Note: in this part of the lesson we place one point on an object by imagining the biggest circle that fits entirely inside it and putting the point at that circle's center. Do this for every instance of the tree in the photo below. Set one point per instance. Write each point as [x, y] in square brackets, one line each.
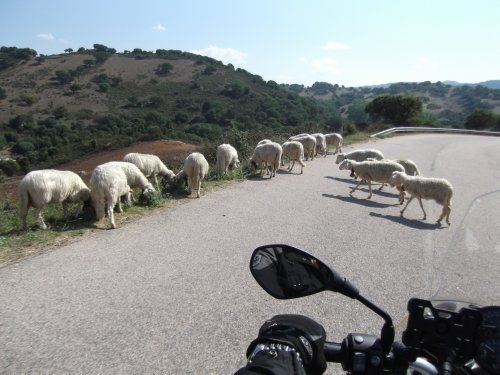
[397, 109]
[481, 119]
[357, 112]
[68, 50]
[164, 68]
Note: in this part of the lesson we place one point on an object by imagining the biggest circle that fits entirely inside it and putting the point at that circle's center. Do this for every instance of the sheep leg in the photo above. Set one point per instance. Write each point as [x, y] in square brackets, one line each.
[422, 207]
[445, 213]
[290, 168]
[370, 187]
[39, 218]
[353, 190]
[156, 182]
[407, 203]
[199, 187]
[110, 209]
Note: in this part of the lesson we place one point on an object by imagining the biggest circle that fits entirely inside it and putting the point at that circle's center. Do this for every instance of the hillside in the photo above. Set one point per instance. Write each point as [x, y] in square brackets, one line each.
[54, 109]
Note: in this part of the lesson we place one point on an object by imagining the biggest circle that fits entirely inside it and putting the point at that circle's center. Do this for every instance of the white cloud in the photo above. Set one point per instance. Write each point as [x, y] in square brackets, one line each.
[159, 28]
[226, 55]
[334, 46]
[325, 66]
[45, 36]
[424, 63]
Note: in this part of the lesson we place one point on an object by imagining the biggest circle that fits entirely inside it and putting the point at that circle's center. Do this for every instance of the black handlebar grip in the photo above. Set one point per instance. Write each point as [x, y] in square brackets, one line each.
[333, 352]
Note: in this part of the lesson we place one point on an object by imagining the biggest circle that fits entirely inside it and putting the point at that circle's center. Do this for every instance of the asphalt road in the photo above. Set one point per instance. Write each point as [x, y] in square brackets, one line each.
[171, 292]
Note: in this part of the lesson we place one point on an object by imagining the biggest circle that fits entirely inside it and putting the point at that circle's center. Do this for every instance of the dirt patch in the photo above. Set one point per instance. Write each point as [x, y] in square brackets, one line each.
[172, 153]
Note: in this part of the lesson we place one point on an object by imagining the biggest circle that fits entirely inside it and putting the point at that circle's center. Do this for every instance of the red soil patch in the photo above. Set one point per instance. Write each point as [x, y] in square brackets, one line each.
[172, 153]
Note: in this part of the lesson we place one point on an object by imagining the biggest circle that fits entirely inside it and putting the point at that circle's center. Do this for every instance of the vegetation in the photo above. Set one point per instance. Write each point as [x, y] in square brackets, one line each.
[92, 107]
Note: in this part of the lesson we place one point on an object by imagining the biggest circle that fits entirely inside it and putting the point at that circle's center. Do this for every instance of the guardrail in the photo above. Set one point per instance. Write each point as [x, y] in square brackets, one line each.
[433, 130]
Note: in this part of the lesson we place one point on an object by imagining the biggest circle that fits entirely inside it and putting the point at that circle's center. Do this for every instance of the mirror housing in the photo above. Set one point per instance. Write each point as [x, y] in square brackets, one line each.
[286, 272]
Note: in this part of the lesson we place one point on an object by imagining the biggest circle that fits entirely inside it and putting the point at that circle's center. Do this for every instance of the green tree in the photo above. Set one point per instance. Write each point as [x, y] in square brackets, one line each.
[481, 119]
[164, 68]
[357, 112]
[397, 109]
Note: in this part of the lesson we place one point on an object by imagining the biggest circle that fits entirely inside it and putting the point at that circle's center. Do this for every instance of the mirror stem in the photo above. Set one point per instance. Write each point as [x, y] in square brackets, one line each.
[387, 334]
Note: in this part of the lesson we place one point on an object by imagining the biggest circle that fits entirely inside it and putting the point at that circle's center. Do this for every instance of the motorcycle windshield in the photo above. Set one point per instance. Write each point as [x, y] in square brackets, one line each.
[470, 269]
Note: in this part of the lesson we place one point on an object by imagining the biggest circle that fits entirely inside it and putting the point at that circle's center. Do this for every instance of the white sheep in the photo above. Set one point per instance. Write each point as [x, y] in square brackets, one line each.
[151, 166]
[309, 143]
[438, 189]
[135, 178]
[264, 141]
[39, 188]
[294, 151]
[108, 183]
[267, 153]
[411, 169]
[227, 158]
[335, 140]
[194, 171]
[320, 143]
[378, 171]
[359, 155]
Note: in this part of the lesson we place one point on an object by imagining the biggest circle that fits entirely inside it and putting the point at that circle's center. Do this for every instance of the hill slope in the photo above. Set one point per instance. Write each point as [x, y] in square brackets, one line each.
[57, 108]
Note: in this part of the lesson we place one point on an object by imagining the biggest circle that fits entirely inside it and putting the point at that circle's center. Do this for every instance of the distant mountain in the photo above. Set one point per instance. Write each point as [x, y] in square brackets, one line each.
[491, 84]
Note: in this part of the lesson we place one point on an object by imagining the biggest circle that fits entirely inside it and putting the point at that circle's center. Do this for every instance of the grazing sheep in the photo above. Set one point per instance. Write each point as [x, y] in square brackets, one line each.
[378, 171]
[335, 140]
[267, 153]
[309, 143]
[108, 183]
[39, 188]
[264, 141]
[438, 189]
[135, 178]
[294, 151]
[320, 143]
[194, 171]
[151, 166]
[359, 155]
[227, 158]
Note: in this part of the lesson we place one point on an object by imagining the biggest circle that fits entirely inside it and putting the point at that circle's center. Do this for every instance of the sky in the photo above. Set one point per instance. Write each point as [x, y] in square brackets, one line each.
[350, 42]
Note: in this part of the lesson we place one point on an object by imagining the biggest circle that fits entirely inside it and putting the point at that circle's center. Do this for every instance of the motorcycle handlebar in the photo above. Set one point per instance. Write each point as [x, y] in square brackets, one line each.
[333, 352]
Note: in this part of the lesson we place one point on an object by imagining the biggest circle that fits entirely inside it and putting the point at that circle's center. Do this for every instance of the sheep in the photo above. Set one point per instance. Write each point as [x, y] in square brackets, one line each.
[108, 183]
[359, 155]
[334, 139]
[438, 189]
[320, 143]
[151, 166]
[135, 178]
[267, 153]
[379, 171]
[227, 158]
[39, 188]
[294, 151]
[194, 171]
[411, 169]
[309, 143]
[264, 141]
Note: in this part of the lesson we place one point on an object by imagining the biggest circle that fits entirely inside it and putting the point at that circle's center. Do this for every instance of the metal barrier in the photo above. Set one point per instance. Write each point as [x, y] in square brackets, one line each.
[433, 130]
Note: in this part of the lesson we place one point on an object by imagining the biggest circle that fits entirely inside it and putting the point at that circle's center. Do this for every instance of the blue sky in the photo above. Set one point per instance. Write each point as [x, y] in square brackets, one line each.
[352, 43]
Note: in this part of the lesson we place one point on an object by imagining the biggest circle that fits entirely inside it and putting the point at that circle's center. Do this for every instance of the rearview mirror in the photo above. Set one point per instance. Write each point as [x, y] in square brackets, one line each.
[286, 272]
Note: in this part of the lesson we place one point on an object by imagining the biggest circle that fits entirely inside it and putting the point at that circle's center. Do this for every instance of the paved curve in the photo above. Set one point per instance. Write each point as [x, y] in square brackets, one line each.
[171, 293]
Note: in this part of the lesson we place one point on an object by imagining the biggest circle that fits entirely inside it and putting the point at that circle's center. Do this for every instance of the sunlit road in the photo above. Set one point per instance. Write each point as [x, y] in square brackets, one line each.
[171, 292]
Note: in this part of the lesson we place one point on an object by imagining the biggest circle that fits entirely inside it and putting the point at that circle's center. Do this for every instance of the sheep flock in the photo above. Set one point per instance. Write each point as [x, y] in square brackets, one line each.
[112, 182]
